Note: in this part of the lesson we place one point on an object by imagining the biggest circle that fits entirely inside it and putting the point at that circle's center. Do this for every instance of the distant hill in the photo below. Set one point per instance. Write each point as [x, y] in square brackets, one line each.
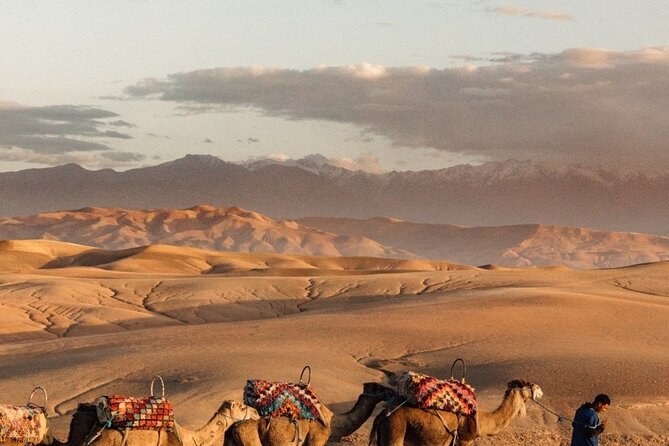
[238, 230]
[518, 246]
[27, 256]
[223, 229]
[492, 194]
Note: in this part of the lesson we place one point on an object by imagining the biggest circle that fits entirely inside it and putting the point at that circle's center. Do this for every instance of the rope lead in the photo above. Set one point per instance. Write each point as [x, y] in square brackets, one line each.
[562, 417]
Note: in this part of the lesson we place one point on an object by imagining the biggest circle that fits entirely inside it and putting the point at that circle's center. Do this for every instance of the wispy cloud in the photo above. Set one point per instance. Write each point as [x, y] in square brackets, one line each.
[53, 134]
[524, 12]
[93, 160]
[367, 163]
[579, 105]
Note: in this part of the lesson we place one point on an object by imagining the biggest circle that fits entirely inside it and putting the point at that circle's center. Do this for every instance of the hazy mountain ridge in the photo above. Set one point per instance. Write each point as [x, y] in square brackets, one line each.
[518, 245]
[224, 229]
[492, 194]
[238, 230]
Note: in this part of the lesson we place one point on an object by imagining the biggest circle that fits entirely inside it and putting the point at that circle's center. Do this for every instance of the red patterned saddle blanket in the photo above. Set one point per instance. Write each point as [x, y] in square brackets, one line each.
[129, 412]
[428, 392]
[23, 424]
[276, 399]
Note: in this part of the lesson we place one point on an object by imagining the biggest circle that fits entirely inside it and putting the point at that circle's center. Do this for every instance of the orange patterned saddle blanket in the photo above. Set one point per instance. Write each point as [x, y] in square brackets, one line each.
[296, 401]
[428, 392]
[128, 412]
[23, 424]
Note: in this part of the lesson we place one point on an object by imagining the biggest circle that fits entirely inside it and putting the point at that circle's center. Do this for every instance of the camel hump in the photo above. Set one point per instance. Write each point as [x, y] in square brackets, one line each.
[428, 392]
[296, 401]
[131, 412]
[26, 424]
[23, 424]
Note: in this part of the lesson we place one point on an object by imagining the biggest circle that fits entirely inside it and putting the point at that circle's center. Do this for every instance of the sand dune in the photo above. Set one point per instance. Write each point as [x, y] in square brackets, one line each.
[45, 255]
[107, 321]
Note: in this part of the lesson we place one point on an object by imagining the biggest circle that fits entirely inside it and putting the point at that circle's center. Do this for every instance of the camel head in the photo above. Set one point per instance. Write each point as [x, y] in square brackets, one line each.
[523, 391]
[526, 389]
[232, 411]
[378, 391]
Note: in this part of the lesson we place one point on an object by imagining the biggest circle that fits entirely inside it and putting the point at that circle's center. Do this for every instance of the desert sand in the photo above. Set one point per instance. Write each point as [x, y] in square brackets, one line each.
[84, 322]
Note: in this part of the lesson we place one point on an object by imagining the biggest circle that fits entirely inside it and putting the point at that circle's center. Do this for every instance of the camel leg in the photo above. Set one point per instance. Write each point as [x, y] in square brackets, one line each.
[392, 432]
[317, 436]
[246, 434]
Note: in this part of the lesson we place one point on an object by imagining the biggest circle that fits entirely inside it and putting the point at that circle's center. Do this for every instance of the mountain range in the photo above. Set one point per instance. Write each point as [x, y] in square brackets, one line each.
[491, 194]
[235, 229]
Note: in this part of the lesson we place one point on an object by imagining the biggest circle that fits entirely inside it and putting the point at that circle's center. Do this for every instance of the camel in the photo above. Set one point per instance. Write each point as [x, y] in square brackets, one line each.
[410, 426]
[85, 420]
[281, 431]
[39, 432]
[45, 433]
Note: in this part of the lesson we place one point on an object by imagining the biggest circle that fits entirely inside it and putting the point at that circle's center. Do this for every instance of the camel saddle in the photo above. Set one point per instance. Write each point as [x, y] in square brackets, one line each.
[24, 424]
[428, 392]
[276, 399]
[129, 412]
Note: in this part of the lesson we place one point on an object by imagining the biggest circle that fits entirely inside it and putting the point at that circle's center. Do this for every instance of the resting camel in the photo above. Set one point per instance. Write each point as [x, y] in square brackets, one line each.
[410, 426]
[38, 433]
[45, 433]
[85, 420]
[281, 431]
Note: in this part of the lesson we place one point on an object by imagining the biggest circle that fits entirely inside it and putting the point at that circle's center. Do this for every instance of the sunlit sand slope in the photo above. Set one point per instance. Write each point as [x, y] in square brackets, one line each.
[111, 320]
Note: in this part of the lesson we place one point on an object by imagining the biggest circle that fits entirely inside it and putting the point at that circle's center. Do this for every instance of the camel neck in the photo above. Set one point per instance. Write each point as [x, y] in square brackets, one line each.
[83, 420]
[210, 434]
[491, 423]
[346, 423]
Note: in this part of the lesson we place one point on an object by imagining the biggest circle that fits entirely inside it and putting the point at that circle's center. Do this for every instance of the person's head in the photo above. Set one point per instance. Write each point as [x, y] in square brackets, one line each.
[601, 402]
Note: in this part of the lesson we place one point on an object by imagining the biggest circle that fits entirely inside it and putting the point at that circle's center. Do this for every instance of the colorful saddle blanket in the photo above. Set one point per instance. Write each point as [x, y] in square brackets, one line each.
[275, 399]
[22, 424]
[428, 392]
[127, 412]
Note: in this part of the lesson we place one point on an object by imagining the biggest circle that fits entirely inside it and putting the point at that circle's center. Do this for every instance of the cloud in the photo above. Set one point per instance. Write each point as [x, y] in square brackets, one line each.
[367, 163]
[122, 157]
[93, 160]
[580, 105]
[121, 123]
[524, 12]
[61, 134]
[57, 128]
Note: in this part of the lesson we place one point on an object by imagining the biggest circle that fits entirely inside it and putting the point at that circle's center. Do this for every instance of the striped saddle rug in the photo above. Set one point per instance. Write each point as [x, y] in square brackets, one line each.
[23, 424]
[428, 392]
[275, 399]
[129, 412]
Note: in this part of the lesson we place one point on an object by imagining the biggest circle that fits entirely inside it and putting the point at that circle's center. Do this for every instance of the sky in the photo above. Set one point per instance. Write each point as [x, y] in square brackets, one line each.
[372, 85]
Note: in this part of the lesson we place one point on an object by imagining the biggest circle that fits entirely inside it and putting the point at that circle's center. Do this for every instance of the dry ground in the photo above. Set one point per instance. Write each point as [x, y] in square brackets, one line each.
[85, 323]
